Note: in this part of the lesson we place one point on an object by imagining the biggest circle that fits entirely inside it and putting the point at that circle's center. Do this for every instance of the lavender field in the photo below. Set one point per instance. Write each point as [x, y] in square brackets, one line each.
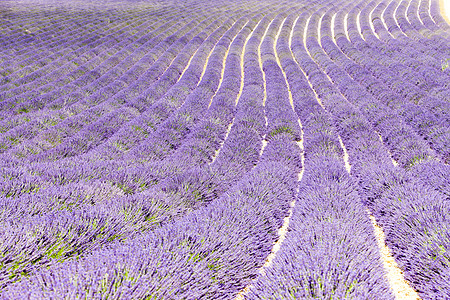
[224, 149]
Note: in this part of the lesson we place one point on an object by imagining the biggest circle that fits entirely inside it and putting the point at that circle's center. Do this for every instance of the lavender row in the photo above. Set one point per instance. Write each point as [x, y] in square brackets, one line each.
[435, 12]
[37, 39]
[395, 198]
[194, 70]
[65, 43]
[62, 251]
[404, 45]
[344, 80]
[44, 37]
[393, 46]
[395, 203]
[423, 170]
[127, 216]
[108, 52]
[145, 64]
[158, 110]
[153, 107]
[170, 134]
[89, 117]
[353, 267]
[404, 144]
[119, 201]
[179, 172]
[416, 67]
[61, 126]
[432, 127]
[418, 73]
[278, 107]
[184, 176]
[44, 168]
[222, 282]
[77, 74]
[223, 249]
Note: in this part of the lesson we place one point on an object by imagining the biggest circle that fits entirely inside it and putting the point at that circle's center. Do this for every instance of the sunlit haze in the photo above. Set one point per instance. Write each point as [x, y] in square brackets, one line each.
[446, 10]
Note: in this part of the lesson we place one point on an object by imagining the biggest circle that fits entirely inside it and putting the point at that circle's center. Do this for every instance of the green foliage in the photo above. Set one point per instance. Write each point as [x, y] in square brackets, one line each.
[445, 63]
[282, 129]
[23, 110]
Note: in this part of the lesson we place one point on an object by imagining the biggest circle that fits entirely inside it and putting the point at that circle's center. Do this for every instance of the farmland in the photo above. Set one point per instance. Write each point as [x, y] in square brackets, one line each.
[224, 149]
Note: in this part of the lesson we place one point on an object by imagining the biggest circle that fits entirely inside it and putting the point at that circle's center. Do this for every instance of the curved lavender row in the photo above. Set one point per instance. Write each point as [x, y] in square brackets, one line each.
[416, 11]
[139, 78]
[70, 170]
[203, 240]
[222, 284]
[403, 22]
[318, 219]
[380, 26]
[125, 64]
[146, 58]
[74, 243]
[184, 157]
[57, 48]
[428, 125]
[80, 240]
[401, 44]
[391, 23]
[62, 126]
[235, 158]
[104, 49]
[381, 187]
[91, 117]
[87, 206]
[406, 16]
[418, 79]
[413, 15]
[67, 176]
[359, 95]
[423, 122]
[190, 183]
[65, 248]
[170, 133]
[111, 62]
[404, 43]
[152, 99]
[424, 170]
[279, 111]
[40, 37]
[425, 16]
[42, 34]
[406, 58]
[405, 208]
[438, 44]
[434, 128]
